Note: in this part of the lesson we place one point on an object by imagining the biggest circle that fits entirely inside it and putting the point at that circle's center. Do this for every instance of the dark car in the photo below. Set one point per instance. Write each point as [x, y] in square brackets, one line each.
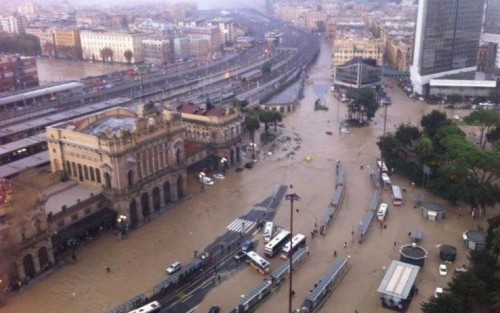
[214, 309]
[249, 165]
[247, 246]
[238, 169]
[240, 255]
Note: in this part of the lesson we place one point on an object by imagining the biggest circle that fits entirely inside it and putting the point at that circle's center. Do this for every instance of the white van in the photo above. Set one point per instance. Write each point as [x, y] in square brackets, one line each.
[382, 165]
[382, 212]
[207, 180]
[386, 180]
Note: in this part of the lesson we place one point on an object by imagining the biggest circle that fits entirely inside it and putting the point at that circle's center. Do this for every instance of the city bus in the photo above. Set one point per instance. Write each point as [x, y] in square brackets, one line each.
[382, 212]
[275, 245]
[298, 241]
[397, 195]
[258, 262]
[268, 231]
[148, 308]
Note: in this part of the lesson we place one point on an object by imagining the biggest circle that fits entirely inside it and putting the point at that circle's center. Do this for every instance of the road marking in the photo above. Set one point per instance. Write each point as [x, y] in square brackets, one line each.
[241, 225]
[186, 298]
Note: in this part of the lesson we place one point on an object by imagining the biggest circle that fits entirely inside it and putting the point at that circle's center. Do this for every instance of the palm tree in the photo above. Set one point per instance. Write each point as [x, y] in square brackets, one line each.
[277, 117]
[266, 117]
[128, 55]
[252, 123]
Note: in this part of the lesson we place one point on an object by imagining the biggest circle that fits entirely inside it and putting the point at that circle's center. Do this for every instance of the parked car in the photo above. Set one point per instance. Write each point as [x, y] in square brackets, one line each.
[174, 267]
[207, 180]
[443, 270]
[249, 165]
[238, 169]
[219, 176]
[438, 292]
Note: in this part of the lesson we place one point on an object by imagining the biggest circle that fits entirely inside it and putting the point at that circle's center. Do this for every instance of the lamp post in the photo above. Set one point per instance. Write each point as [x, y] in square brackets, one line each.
[201, 176]
[122, 219]
[253, 145]
[223, 161]
[292, 197]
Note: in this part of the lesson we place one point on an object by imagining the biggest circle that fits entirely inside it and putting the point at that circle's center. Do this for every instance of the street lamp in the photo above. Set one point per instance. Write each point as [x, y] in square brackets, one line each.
[122, 219]
[223, 161]
[253, 145]
[201, 176]
[292, 197]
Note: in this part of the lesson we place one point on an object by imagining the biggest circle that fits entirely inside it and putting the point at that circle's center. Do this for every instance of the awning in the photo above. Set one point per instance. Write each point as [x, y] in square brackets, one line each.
[98, 218]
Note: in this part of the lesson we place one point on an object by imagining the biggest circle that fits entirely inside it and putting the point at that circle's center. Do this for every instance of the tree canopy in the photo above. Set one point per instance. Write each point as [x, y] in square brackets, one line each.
[486, 120]
[24, 44]
[363, 105]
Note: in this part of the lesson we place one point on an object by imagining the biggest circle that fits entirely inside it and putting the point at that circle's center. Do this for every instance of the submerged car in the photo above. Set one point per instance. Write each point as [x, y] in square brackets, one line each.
[443, 270]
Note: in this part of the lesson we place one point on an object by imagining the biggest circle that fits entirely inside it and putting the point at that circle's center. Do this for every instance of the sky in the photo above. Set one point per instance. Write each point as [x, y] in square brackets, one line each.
[202, 4]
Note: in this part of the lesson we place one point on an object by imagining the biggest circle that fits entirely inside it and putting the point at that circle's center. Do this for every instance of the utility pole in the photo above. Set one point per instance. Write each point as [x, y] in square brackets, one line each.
[381, 153]
[292, 197]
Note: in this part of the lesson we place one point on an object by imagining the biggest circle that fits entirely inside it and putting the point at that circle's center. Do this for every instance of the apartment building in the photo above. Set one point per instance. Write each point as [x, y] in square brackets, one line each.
[94, 42]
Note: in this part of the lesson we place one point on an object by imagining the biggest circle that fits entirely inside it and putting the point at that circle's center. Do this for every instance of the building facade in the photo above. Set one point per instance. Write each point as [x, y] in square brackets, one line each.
[47, 40]
[357, 74]
[17, 72]
[366, 48]
[491, 29]
[446, 40]
[137, 158]
[67, 42]
[157, 51]
[226, 29]
[13, 23]
[93, 42]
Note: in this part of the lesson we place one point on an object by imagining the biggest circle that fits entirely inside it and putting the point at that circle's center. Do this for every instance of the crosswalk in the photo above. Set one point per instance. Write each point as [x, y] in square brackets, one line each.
[241, 225]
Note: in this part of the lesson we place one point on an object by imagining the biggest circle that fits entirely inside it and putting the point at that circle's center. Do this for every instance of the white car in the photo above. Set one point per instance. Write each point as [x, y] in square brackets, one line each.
[207, 180]
[174, 267]
[438, 292]
[443, 270]
[219, 176]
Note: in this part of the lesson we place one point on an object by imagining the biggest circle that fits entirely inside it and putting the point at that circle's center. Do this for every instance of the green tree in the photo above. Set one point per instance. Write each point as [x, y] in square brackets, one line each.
[494, 96]
[24, 44]
[128, 55]
[433, 121]
[252, 123]
[364, 104]
[266, 117]
[277, 117]
[106, 54]
[496, 242]
[444, 303]
[423, 148]
[407, 134]
[266, 67]
[485, 120]
[454, 98]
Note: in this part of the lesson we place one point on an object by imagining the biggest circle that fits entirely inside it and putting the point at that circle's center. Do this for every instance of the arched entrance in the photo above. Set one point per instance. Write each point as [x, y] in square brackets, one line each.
[13, 273]
[43, 258]
[156, 199]
[178, 156]
[180, 189]
[107, 180]
[29, 266]
[238, 155]
[145, 204]
[166, 192]
[133, 213]
[232, 157]
[130, 178]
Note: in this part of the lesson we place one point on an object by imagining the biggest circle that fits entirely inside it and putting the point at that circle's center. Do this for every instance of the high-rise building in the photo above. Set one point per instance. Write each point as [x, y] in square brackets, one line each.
[17, 72]
[491, 30]
[446, 40]
[13, 23]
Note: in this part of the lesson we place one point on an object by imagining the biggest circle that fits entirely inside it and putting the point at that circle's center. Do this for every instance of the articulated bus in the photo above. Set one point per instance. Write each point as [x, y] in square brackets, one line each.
[298, 241]
[397, 195]
[268, 231]
[275, 245]
[258, 262]
[148, 308]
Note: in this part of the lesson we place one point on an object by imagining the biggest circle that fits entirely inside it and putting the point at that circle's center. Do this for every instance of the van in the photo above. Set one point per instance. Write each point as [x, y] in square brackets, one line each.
[382, 212]
[207, 180]
[268, 231]
[247, 246]
[381, 165]
[386, 180]
[174, 267]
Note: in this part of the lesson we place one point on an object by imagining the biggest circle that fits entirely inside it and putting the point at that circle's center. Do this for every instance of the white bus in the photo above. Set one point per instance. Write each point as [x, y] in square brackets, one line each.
[148, 308]
[268, 231]
[275, 245]
[397, 195]
[382, 212]
[298, 240]
[258, 262]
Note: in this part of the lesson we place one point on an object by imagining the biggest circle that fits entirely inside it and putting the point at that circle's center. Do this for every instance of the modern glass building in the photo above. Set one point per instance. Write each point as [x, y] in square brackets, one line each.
[357, 73]
[446, 40]
[491, 29]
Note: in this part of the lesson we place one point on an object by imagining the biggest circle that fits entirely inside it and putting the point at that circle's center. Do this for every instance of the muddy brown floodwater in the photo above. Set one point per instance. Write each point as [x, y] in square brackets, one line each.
[139, 262]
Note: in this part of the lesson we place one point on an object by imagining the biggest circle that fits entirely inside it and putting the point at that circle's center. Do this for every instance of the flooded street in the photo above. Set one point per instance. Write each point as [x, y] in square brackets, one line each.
[138, 262]
[58, 70]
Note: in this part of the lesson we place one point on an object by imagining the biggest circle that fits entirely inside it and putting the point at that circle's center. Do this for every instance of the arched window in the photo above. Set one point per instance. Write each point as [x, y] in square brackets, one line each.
[178, 156]
[80, 172]
[130, 178]
[68, 168]
[92, 176]
[98, 175]
[86, 172]
[107, 180]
